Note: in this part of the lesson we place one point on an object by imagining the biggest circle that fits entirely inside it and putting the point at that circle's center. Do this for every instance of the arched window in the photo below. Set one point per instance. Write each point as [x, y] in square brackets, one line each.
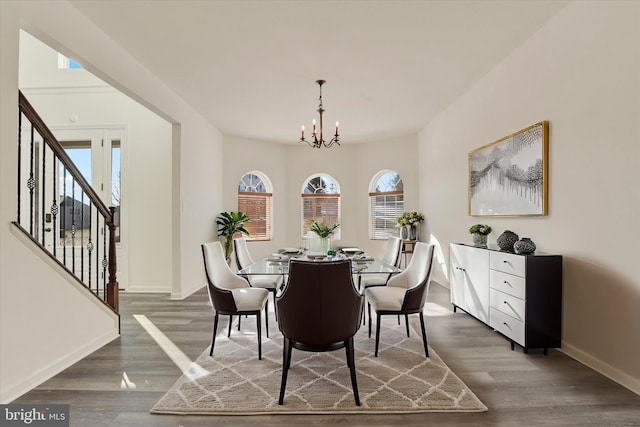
[320, 202]
[386, 204]
[255, 199]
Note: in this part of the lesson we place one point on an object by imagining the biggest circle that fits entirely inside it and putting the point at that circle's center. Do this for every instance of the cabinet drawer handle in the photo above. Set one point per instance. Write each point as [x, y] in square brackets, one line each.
[507, 283]
[505, 261]
[505, 323]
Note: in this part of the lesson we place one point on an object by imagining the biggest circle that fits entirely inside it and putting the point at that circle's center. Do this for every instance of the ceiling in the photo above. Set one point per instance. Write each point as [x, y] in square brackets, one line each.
[250, 66]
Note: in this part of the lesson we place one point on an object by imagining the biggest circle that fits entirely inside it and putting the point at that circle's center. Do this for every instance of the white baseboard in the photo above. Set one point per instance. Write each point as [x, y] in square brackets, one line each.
[186, 292]
[44, 373]
[598, 365]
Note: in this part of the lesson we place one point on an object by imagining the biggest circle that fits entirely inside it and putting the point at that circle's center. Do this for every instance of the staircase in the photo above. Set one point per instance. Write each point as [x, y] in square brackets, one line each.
[61, 213]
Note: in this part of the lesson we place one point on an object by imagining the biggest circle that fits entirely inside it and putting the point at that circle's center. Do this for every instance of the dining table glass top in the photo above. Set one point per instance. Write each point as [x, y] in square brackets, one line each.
[359, 265]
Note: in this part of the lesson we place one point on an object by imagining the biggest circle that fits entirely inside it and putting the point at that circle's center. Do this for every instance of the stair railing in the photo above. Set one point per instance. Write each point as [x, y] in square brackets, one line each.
[61, 212]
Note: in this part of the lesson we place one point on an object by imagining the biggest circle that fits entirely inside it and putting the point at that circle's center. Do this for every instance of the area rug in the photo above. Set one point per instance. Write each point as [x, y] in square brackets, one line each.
[400, 380]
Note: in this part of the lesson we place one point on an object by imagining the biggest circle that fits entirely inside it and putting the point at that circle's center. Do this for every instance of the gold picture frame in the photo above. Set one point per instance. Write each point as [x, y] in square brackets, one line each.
[510, 176]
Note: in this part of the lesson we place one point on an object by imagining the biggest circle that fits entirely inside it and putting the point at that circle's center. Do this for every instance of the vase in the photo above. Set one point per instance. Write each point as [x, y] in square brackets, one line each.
[524, 246]
[479, 239]
[324, 245]
[404, 232]
[413, 232]
[506, 240]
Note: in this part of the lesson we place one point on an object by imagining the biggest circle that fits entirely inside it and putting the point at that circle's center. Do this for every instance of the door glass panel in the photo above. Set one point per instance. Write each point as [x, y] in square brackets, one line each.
[71, 196]
[116, 184]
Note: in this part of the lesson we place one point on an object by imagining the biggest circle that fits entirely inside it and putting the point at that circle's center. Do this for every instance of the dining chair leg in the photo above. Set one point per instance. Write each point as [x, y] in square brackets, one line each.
[259, 322]
[406, 322]
[266, 317]
[286, 361]
[215, 329]
[369, 312]
[239, 319]
[352, 369]
[275, 306]
[230, 322]
[377, 332]
[424, 335]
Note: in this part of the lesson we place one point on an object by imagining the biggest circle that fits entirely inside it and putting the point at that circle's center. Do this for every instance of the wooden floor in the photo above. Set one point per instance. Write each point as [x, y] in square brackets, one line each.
[118, 384]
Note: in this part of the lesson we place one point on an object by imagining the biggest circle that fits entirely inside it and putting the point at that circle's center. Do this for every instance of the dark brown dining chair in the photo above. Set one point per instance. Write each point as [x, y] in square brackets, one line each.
[319, 310]
[404, 293]
[230, 294]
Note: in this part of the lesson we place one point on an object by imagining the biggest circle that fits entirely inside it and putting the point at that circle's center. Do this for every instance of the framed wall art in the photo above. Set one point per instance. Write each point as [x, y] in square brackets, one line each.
[509, 177]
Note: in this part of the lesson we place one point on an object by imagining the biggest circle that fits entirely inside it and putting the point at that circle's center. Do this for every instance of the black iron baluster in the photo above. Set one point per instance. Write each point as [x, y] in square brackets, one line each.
[31, 182]
[105, 263]
[98, 231]
[89, 245]
[82, 236]
[65, 211]
[54, 205]
[43, 150]
[19, 160]
[73, 224]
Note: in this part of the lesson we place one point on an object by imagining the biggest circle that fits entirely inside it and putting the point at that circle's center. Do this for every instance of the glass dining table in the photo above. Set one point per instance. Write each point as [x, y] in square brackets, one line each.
[280, 266]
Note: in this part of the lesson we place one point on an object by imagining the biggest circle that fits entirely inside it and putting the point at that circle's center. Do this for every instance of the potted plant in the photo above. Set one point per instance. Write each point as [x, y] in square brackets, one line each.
[479, 233]
[409, 222]
[230, 223]
[324, 232]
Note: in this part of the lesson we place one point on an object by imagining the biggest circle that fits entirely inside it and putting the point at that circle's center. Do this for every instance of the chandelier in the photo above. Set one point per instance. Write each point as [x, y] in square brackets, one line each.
[319, 142]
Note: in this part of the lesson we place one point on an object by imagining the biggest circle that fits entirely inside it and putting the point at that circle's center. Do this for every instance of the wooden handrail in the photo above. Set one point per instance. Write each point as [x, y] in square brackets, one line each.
[35, 119]
[111, 288]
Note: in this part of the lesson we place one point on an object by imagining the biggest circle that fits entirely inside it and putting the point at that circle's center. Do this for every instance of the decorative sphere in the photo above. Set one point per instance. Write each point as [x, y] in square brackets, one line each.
[524, 246]
[506, 240]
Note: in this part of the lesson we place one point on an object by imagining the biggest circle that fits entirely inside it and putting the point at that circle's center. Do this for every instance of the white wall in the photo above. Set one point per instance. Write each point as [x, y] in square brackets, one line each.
[288, 166]
[146, 157]
[195, 192]
[581, 72]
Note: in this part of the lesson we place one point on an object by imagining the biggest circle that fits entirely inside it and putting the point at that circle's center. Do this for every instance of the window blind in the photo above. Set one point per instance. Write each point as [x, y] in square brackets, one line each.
[385, 208]
[324, 208]
[258, 207]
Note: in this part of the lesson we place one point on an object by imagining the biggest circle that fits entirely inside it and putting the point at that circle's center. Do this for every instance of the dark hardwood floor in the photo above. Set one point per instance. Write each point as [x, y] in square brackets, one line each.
[118, 384]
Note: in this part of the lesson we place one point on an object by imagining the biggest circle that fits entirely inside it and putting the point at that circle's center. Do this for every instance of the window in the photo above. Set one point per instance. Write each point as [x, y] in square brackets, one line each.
[65, 63]
[320, 202]
[255, 200]
[386, 204]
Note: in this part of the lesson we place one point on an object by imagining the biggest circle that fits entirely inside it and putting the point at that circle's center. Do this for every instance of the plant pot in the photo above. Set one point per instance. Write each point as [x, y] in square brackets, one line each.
[479, 239]
[404, 232]
[324, 245]
[413, 232]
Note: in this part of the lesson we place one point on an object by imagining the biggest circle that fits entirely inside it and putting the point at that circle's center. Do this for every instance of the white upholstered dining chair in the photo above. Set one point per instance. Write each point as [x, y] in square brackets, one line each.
[404, 293]
[243, 259]
[391, 256]
[230, 294]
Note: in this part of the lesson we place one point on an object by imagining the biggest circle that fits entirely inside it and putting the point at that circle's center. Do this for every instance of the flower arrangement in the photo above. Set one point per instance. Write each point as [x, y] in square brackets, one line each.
[481, 229]
[410, 218]
[323, 230]
[230, 223]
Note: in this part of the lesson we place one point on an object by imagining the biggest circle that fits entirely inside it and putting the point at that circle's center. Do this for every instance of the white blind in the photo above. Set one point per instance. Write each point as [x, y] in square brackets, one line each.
[258, 207]
[324, 208]
[385, 208]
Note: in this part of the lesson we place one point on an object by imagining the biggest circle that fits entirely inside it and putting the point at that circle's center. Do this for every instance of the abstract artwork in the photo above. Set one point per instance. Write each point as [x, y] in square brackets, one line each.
[509, 177]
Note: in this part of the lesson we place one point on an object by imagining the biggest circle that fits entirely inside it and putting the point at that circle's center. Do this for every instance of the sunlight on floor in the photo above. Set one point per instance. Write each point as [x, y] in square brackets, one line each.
[175, 354]
[436, 310]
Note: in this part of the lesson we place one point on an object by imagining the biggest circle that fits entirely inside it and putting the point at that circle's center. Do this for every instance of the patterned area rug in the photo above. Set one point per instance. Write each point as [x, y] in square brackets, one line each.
[401, 379]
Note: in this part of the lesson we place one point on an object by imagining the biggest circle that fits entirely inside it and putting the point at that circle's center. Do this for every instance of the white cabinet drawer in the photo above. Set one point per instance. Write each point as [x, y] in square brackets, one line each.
[508, 263]
[508, 283]
[507, 325]
[508, 304]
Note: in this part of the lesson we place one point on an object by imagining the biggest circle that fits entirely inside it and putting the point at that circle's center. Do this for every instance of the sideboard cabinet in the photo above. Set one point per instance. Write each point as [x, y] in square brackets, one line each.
[520, 296]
